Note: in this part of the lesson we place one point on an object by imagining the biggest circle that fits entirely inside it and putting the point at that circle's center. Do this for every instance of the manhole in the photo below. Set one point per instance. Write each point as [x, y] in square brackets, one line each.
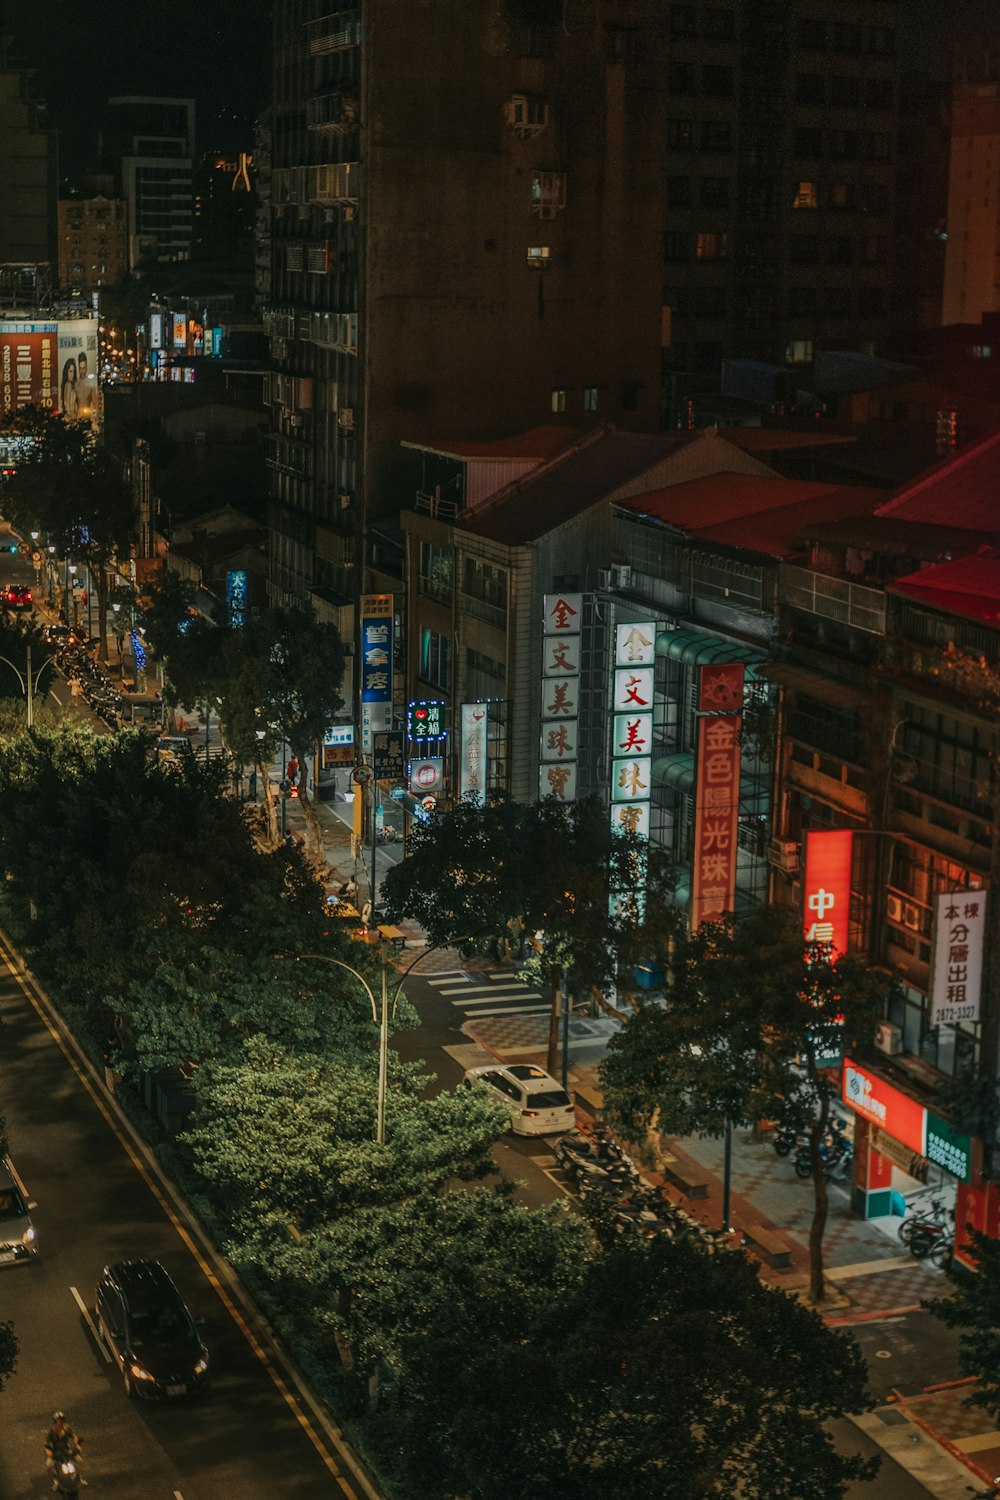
[883, 1353]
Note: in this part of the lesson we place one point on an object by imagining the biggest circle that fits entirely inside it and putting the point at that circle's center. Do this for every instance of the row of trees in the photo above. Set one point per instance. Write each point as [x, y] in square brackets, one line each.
[478, 1348]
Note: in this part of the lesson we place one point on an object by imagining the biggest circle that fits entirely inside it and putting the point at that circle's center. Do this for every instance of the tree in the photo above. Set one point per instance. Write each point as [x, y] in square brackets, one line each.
[8, 1352]
[74, 490]
[751, 1010]
[973, 1307]
[18, 634]
[550, 869]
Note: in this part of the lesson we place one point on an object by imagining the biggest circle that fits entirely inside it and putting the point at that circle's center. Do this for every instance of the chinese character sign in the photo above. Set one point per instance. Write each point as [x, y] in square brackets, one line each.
[425, 720]
[717, 792]
[635, 644]
[562, 624]
[631, 747]
[474, 767]
[563, 614]
[236, 597]
[376, 648]
[827, 888]
[957, 963]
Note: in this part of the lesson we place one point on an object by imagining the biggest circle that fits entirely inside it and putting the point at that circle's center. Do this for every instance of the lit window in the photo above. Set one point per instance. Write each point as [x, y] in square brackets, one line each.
[799, 351]
[590, 398]
[806, 196]
[539, 255]
[558, 398]
[712, 247]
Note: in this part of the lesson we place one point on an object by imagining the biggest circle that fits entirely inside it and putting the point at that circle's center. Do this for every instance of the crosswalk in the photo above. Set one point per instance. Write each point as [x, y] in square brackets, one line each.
[498, 992]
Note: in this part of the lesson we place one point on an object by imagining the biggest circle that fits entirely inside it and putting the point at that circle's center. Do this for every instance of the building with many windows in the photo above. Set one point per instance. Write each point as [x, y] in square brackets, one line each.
[149, 145]
[93, 243]
[462, 232]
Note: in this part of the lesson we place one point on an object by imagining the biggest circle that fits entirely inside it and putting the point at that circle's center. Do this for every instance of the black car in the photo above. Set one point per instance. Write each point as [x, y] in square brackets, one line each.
[149, 1331]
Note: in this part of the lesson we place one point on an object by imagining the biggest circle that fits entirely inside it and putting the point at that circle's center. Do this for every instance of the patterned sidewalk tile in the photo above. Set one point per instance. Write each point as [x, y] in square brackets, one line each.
[905, 1287]
[945, 1412]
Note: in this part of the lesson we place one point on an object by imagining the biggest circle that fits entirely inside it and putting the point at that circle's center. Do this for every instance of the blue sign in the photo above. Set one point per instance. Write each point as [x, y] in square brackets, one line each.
[236, 597]
[376, 648]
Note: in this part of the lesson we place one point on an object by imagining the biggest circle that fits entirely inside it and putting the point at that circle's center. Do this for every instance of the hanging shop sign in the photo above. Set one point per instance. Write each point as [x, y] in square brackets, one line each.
[388, 758]
[474, 763]
[376, 665]
[957, 956]
[916, 1132]
[717, 791]
[562, 620]
[425, 719]
[426, 776]
[827, 888]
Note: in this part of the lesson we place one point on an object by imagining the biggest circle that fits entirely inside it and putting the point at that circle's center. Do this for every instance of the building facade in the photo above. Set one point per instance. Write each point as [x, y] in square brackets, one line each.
[972, 257]
[150, 145]
[28, 176]
[93, 243]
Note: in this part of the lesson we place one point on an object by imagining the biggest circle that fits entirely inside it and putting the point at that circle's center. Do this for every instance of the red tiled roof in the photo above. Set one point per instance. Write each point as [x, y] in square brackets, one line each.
[968, 586]
[537, 444]
[778, 440]
[779, 533]
[962, 491]
[718, 498]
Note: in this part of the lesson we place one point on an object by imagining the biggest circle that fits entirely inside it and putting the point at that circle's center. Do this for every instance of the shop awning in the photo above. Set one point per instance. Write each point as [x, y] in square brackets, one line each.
[696, 650]
[675, 770]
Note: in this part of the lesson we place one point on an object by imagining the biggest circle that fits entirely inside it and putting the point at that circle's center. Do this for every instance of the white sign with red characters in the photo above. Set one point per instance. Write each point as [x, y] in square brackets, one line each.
[957, 962]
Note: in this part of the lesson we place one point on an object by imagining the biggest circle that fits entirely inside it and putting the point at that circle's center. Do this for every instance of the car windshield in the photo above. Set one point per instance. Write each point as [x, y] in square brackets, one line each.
[11, 1204]
[558, 1099]
[168, 1321]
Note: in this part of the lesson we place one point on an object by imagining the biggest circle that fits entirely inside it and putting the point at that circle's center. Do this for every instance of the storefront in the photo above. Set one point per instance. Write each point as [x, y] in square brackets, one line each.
[901, 1146]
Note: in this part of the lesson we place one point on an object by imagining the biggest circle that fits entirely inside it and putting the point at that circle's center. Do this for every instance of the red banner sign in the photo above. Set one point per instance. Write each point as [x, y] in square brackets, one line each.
[977, 1208]
[717, 792]
[882, 1105]
[827, 888]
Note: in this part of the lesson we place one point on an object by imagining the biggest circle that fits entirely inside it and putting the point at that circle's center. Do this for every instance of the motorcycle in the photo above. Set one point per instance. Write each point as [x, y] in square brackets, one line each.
[579, 1147]
[836, 1161]
[66, 1475]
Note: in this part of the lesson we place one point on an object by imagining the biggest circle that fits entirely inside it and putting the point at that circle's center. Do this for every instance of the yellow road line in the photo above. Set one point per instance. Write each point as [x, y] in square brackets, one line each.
[278, 1380]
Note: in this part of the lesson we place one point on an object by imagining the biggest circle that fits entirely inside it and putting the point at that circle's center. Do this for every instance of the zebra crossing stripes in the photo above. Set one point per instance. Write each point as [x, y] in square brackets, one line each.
[498, 993]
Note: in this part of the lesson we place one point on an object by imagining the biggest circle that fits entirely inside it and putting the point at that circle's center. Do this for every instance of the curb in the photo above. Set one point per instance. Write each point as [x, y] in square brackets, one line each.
[942, 1442]
[268, 1344]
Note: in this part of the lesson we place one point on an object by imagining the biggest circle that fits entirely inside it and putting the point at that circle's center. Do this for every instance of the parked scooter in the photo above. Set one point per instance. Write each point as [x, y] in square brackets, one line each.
[836, 1160]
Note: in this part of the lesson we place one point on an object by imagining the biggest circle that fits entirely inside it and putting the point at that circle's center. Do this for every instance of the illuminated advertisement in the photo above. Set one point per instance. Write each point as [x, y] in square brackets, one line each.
[376, 666]
[50, 365]
[717, 792]
[156, 330]
[827, 888]
[180, 328]
[895, 1114]
[236, 597]
[562, 618]
[957, 961]
[474, 763]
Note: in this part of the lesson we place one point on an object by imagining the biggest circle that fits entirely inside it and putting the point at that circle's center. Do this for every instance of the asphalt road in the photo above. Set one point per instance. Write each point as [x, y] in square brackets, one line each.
[250, 1437]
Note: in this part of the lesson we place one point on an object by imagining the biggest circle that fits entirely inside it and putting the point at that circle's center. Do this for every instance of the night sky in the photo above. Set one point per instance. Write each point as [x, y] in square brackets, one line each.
[213, 50]
[217, 51]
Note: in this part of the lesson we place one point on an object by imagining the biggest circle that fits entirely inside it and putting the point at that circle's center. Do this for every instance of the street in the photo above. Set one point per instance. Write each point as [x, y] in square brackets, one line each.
[252, 1435]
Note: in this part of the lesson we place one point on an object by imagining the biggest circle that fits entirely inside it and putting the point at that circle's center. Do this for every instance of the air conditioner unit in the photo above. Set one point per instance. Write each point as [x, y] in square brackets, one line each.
[784, 856]
[604, 578]
[888, 1038]
[894, 908]
[621, 576]
[911, 916]
[345, 416]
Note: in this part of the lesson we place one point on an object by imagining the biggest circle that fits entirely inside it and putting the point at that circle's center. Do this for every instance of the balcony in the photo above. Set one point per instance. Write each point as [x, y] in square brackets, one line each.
[335, 112]
[332, 331]
[334, 33]
[439, 507]
[834, 599]
[337, 182]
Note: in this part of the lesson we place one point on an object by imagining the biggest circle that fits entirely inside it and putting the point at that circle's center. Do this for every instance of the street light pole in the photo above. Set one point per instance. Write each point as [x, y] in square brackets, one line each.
[27, 681]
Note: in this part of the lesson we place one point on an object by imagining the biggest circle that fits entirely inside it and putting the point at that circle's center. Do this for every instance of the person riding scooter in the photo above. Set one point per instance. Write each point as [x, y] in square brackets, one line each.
[61, 1444]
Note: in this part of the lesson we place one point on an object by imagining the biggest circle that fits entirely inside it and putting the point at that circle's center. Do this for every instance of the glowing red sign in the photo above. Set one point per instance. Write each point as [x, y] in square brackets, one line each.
[877, 1101]
[827, 888]
[717, 792]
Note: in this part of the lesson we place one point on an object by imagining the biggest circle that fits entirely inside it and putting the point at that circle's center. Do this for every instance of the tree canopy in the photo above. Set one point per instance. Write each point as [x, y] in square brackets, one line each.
[8, 1352]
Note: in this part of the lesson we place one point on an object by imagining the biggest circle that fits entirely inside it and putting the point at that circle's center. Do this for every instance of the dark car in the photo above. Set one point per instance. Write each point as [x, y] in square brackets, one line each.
[149, 1331]
[16, 596]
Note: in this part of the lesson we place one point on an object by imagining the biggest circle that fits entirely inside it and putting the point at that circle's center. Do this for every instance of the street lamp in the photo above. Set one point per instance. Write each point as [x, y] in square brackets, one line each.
[28, 682]
[71, 570]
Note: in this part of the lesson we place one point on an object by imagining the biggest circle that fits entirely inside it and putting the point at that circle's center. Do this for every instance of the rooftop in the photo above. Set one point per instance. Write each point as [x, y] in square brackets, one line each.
[536, 445]
[962, 491]
[968, 586]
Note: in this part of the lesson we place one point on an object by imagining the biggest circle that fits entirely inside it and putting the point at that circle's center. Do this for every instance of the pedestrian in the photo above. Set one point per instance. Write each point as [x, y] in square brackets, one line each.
[292, 771]
[253, 784]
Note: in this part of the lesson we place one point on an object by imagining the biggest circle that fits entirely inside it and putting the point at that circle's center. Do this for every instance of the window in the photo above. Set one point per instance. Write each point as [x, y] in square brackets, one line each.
[803, 249]
[845, 92]
[630, 396]
[539, 256]
[676, 245]
[799, 351]
[717, 81]
[714, 192]
[873, 197]
[678, 299]
[680, 134]
[808, 142]
[720, 25]
[878, 145]
[841, 195]
[679, 192]
[810, 88]
[840, 251]
[435, 659]
[590, 398]
[842, 145]
[871, 301]
[558, 398]
[837, 302]
[716, 135]
[484, 677]
[683, 20]
[802, 301]
[435, 571]
[681, 78]
[710, 301]
[806, 197]
[812, 35]
[486, 583]
[712, 246]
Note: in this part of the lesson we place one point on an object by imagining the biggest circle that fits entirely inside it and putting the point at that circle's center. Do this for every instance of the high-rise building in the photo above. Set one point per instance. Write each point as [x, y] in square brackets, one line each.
[28, 174]
[972, 254]
[780, 179]
[93, 243]
[149, 144]
[465, 231]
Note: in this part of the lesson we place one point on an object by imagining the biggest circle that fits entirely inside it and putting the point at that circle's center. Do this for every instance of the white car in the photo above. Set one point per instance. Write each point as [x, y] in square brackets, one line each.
[538, 1104]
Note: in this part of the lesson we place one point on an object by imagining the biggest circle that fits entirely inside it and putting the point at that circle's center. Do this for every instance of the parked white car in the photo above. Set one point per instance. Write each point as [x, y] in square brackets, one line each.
[538, 1104]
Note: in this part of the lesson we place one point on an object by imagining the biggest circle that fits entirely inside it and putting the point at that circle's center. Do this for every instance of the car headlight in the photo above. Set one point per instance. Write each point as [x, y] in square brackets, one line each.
[202, 1365]
[138, 1373]
[29, 1236]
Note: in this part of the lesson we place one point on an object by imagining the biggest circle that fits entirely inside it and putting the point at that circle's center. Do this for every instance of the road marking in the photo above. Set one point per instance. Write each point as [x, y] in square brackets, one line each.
[509, 1010]
[178, 1495]
[90, 1323]
[444, 978]
[7, 955]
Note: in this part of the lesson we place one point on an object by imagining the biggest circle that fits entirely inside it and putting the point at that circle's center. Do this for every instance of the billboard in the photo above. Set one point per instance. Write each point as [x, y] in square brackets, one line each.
[957, 956]
[52, 365]
[826, 892]
[717, 792]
